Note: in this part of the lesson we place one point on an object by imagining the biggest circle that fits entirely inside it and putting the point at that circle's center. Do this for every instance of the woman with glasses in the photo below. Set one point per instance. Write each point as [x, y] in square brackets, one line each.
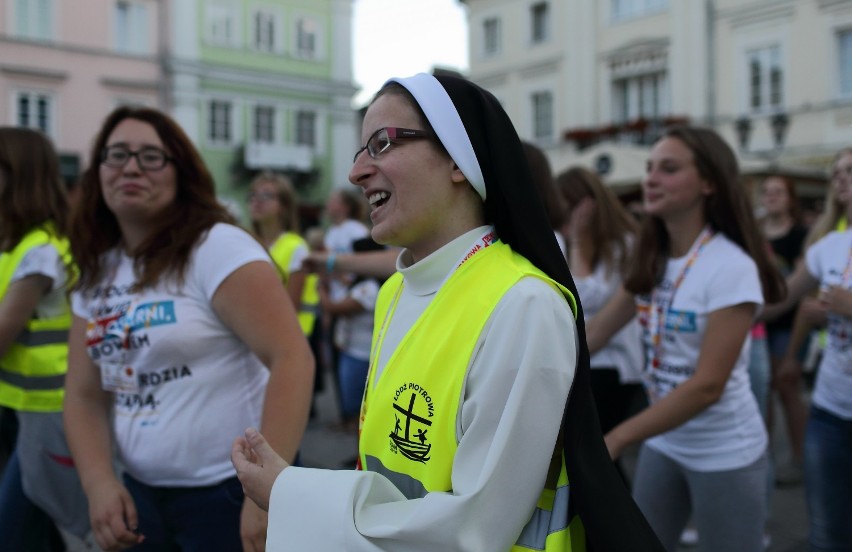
[827, 452]
[38, 487]
[273, 206]
[182, 333]
[478, 430]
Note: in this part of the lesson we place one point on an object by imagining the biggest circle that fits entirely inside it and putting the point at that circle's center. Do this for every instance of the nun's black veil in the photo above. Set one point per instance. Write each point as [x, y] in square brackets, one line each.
[598, 494]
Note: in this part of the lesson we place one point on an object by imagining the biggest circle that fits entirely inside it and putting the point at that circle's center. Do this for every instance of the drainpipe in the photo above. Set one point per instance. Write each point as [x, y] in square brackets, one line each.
[710, 24]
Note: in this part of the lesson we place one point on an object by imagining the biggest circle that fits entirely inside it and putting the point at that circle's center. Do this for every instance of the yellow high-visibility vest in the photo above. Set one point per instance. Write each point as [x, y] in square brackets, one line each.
[408, 428]
[281, 252]
[32, 372]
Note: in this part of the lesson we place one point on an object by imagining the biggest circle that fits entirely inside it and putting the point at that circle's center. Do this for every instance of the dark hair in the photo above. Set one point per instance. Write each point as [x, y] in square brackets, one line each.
[613, 229]
[287, 198]
[31, 190]
[167, 249]
[727, 210]
[542, 179]
[794, 209]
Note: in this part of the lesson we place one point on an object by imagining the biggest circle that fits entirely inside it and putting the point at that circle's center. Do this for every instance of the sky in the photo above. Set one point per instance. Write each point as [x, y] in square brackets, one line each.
[398, 38]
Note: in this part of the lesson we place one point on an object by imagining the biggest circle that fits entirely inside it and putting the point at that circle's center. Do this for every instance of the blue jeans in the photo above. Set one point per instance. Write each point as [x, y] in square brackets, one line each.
[828, 481]
[353, 379]
[189, 519]
[23, 525]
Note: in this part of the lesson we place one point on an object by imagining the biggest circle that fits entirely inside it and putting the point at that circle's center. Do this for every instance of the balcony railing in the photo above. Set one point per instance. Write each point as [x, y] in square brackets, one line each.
[640, 131]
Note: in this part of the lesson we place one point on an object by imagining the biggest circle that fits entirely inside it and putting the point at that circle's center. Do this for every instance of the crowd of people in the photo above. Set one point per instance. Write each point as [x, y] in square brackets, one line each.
[497, 337]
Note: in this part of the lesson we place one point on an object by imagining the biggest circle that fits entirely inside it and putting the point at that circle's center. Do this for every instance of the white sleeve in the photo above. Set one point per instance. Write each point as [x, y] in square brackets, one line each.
[514, 397]
[223, 250]
[596, 289]
[299, 255]
[43, 260]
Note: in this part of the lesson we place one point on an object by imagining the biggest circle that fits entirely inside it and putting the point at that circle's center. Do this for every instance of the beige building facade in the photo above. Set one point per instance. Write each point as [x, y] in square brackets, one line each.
[577, 77]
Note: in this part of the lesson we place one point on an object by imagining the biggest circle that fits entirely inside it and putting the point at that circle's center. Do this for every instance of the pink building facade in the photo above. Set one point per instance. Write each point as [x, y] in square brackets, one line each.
[65, 65]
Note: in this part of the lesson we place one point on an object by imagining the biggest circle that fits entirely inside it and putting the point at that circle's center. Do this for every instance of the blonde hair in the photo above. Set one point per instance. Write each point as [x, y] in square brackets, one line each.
[834, 210]
[286, 196]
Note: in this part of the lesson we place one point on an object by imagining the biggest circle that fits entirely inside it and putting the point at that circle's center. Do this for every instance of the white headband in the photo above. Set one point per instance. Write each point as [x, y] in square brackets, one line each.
[444, 118]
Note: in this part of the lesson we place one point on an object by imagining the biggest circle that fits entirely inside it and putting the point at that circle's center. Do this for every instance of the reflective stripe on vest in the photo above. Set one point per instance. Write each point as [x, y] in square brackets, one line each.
[32, 369]
[409, 415]
[282, 252]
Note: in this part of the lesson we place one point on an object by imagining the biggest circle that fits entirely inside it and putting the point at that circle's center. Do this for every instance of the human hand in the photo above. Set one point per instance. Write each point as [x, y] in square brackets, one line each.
[837, 300]
[257, 466]
[613, 445]
[315, 262]
[113, 516]
[253, 522]
[581, 217]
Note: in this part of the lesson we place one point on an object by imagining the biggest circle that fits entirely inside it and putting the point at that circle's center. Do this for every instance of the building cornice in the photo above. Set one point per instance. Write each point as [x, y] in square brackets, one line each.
[37, 72]
[262, 79]
[74, 49]
[130, 84]
[758, 13]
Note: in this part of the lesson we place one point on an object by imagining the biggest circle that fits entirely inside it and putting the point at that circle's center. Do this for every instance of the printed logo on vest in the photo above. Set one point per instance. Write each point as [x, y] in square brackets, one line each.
[412, 422]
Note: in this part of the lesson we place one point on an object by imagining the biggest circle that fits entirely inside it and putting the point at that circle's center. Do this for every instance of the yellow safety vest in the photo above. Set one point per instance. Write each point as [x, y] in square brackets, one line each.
[408, 431]
[281, 252]
[32, 372]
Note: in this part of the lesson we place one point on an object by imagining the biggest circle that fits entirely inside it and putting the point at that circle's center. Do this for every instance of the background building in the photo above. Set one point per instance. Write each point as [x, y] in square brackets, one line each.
[258, 85]
[598, 78]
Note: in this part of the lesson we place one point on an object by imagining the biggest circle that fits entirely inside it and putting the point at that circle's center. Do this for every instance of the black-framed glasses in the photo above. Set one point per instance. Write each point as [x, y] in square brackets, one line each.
[382, 139]
[148, 158]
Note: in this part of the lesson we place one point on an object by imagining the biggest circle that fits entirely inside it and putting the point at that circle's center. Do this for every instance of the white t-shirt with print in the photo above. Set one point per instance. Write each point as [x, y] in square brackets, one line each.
[729, 434]
[338, 239]
[624, 350]
[354, 333]
[827, 260]
[199, 386]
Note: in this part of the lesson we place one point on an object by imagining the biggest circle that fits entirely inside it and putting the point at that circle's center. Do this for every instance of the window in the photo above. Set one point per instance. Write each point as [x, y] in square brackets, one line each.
[306, 133]
[306, 38]
[264, 31]
[542, 111]
[219, 127]
[640, 97]
[34, 110]
[765, 79]
[540, 22]
[845, 58]
[222, 25]
[264, 124]
[626, 9]
[34, 19]
[491, 34]
[131, 27]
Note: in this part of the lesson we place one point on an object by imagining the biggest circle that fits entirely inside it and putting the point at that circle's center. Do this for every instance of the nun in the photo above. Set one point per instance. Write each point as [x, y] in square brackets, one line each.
[477, 428]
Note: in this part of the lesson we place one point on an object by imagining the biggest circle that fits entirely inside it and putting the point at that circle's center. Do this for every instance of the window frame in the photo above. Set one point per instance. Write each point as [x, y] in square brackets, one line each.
[49, 98]
[492, 39]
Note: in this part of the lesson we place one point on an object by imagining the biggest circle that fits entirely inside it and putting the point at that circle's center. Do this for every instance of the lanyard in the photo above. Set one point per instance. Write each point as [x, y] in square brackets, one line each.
[660, 305]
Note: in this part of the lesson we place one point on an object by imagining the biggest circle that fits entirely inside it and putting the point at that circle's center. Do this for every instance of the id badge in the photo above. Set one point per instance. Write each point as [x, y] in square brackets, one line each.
[117, 377]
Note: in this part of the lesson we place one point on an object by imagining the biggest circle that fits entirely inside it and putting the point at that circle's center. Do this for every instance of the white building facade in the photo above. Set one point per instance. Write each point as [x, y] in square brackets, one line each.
[774, 77]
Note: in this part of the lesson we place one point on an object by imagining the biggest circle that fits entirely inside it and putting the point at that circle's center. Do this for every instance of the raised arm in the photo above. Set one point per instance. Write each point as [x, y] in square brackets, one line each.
[726, 332]
[611, 318]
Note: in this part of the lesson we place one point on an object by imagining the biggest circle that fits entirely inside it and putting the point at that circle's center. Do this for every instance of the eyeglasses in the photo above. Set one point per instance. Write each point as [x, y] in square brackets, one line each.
[262, 196]
[382, 139]
[148, 158]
